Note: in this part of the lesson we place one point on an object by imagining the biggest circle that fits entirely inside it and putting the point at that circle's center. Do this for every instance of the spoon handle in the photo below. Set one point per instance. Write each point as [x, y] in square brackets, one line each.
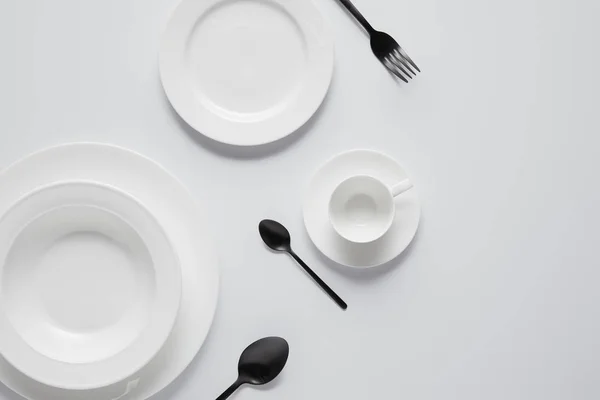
[230, 390]
[323, 285]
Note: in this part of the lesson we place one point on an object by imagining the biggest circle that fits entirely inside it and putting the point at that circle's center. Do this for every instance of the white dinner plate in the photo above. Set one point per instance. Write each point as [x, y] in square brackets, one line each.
[316, 210]
[179, 215]
[91, 285]
[246, 72]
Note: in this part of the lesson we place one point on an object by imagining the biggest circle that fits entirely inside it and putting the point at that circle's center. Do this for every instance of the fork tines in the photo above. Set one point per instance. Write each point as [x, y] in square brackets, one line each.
[400, 64]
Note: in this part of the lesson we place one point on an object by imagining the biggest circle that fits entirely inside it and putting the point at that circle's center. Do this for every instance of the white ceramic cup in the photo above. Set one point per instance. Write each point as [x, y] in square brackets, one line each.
[362, 209]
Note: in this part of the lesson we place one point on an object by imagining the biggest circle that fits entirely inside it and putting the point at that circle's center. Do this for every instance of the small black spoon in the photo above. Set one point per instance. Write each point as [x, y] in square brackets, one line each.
[277, 237]
[260, 363]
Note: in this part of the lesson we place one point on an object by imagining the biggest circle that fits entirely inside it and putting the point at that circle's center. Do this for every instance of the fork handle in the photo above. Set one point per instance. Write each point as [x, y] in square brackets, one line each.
[359, 17]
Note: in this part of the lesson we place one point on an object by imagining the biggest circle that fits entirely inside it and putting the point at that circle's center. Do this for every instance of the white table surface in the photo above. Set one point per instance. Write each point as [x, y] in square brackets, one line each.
[497, 297]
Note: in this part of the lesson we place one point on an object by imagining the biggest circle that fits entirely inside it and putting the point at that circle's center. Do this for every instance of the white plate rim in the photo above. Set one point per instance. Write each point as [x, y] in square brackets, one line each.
[190, 330]
[21, 354]
[316, 218]
[174, 37]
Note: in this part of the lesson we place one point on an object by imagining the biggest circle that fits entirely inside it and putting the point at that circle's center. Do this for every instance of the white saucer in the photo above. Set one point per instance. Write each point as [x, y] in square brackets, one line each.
[316, 216]
[246, 72]
[180, 217]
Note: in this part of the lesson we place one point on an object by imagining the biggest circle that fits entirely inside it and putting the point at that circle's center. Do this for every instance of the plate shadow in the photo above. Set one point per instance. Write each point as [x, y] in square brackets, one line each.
[247, 152]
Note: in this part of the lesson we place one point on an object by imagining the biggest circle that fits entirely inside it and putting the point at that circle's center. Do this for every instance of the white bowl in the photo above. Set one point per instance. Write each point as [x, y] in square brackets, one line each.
[90, 285]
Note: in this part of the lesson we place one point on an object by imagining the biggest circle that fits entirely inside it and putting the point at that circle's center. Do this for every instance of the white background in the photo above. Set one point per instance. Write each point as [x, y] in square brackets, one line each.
[498, 296]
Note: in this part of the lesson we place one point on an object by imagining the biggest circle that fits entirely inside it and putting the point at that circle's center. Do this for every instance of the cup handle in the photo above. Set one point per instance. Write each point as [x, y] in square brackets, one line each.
[401, 187]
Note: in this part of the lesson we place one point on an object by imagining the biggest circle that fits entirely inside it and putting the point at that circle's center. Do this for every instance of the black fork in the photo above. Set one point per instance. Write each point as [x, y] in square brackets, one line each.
[385, 48]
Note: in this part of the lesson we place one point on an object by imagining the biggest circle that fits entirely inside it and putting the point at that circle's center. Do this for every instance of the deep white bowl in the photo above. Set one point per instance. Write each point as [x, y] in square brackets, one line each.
[90, 285]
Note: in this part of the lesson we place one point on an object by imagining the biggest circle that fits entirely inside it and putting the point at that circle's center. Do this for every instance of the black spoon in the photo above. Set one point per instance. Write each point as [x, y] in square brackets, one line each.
[260, 363]
[277, 237]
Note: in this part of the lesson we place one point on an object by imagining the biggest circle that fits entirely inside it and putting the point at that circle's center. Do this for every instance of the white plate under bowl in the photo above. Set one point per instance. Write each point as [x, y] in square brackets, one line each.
[90, 285]
[179, 215]
[316, 210]
[246, 72]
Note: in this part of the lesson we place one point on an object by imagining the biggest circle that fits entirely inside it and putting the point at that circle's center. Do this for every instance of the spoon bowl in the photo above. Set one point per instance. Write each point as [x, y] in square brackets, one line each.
[272, 352]
[260, 363]
[275, 235]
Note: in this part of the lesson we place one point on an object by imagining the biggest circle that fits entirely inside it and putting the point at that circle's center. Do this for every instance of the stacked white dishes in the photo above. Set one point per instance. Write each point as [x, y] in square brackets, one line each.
[90, 285]
[108, 282]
